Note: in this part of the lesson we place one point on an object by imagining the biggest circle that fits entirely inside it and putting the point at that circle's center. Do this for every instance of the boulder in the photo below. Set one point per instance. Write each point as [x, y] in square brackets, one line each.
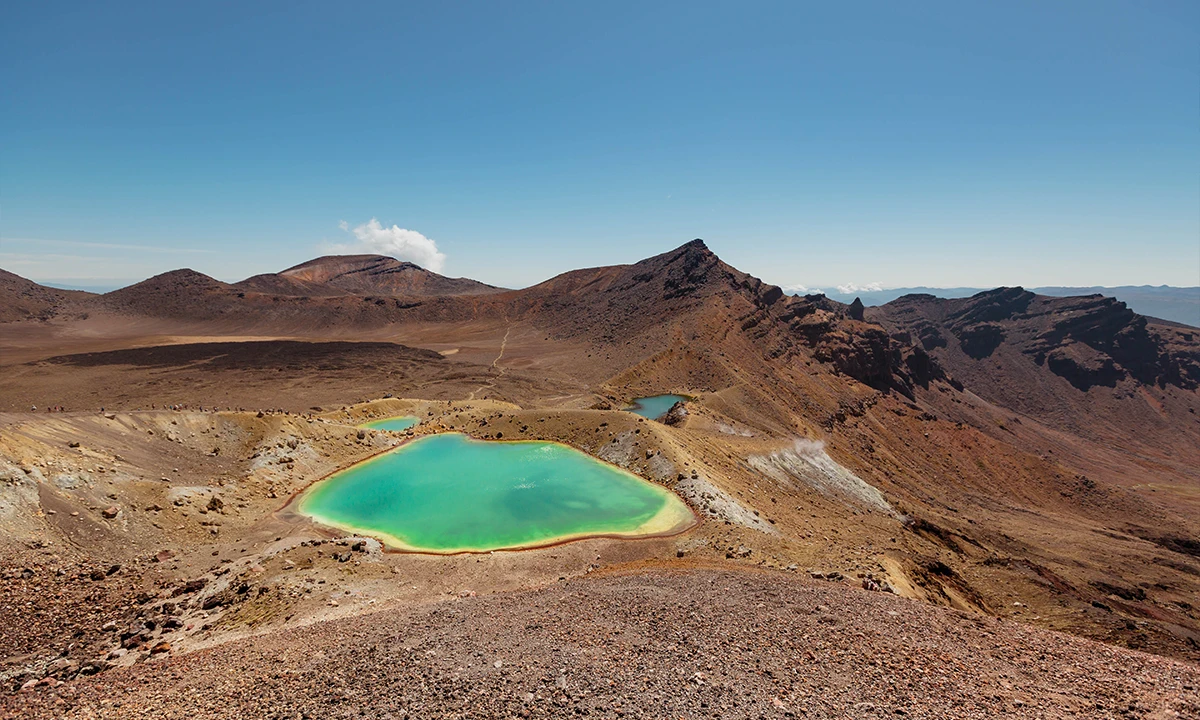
[676, 415]
[856, 309]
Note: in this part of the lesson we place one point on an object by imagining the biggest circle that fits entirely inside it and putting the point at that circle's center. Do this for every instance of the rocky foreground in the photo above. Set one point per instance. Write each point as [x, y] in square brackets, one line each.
[695, 643]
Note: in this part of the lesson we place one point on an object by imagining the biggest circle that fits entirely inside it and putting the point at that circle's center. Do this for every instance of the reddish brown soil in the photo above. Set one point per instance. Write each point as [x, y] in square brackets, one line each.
[1037, 461]
[688, 643]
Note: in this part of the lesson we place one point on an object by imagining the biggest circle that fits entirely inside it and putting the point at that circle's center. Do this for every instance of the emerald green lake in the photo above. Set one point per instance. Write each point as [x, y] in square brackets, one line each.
[403, 422]
[655, 406]
[448, 493]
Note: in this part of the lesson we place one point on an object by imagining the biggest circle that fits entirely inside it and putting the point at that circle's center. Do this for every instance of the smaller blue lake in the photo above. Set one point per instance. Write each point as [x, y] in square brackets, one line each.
[655, 406]
[395, 424]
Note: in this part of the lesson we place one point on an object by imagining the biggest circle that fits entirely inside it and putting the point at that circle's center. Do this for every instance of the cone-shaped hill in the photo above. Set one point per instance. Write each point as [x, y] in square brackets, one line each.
[381, 275]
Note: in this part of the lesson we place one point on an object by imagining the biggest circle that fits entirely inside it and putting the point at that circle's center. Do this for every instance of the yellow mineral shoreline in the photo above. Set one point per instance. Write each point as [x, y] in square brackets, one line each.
[665, 523]
[675, 516]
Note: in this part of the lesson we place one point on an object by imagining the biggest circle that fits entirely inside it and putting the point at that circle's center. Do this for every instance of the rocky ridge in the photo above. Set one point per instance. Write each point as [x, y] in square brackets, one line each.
[688, 643]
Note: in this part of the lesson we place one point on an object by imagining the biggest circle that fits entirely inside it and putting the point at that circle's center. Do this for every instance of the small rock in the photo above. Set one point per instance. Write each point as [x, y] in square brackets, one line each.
[216, 601]
[63, 667]
[190, 586]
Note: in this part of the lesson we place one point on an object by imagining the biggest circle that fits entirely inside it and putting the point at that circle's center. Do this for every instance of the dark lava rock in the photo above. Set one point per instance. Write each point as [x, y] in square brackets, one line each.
[980, 341]
[225, 597]
[190, 586]
[676, 415]
[856, 309]
[1084, 367]
[63, 668]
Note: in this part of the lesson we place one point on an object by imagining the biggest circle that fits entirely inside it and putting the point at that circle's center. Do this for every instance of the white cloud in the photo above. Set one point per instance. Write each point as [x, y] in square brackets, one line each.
[372, 237]
[852, 288]
[802, 290]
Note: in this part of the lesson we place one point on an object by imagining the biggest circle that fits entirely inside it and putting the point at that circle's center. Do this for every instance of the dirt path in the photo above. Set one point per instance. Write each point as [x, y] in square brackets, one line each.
[494, 366]
[503, 344]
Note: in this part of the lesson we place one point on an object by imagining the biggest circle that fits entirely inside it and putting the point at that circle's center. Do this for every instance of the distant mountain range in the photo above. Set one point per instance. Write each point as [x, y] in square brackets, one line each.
[1177, 304]
[1030, 446]
[363, 274]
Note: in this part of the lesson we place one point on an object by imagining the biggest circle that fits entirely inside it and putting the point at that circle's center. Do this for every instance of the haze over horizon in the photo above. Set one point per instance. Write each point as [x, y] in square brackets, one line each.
[945, 146]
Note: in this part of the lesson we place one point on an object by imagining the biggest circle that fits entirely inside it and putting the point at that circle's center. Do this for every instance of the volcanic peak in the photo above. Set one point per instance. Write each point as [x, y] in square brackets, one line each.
[382, 275]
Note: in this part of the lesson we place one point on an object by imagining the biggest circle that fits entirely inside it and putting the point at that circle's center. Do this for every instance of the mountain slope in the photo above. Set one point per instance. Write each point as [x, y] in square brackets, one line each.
[1001, 475]
[182, 294]
[22, 299]
[381, 275]
[1004, 342]
[1174, 304]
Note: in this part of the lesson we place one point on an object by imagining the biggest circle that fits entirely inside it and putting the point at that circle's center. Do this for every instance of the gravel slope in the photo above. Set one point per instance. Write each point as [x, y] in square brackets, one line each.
[696, 643]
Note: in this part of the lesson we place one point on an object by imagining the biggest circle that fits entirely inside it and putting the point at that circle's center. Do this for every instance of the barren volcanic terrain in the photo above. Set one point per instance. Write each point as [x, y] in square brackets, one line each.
[942, 508]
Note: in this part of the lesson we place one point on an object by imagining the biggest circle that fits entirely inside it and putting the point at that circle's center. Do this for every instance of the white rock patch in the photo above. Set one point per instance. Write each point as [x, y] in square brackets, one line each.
[716, 503]
[808, 462]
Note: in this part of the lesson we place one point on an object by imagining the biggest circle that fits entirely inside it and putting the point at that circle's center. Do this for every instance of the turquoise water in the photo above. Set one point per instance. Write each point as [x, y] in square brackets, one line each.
[403, 422]
[450, 493]
[655, 406]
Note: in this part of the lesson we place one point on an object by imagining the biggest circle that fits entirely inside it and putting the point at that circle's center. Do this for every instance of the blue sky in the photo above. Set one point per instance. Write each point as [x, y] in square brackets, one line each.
[812, 144]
